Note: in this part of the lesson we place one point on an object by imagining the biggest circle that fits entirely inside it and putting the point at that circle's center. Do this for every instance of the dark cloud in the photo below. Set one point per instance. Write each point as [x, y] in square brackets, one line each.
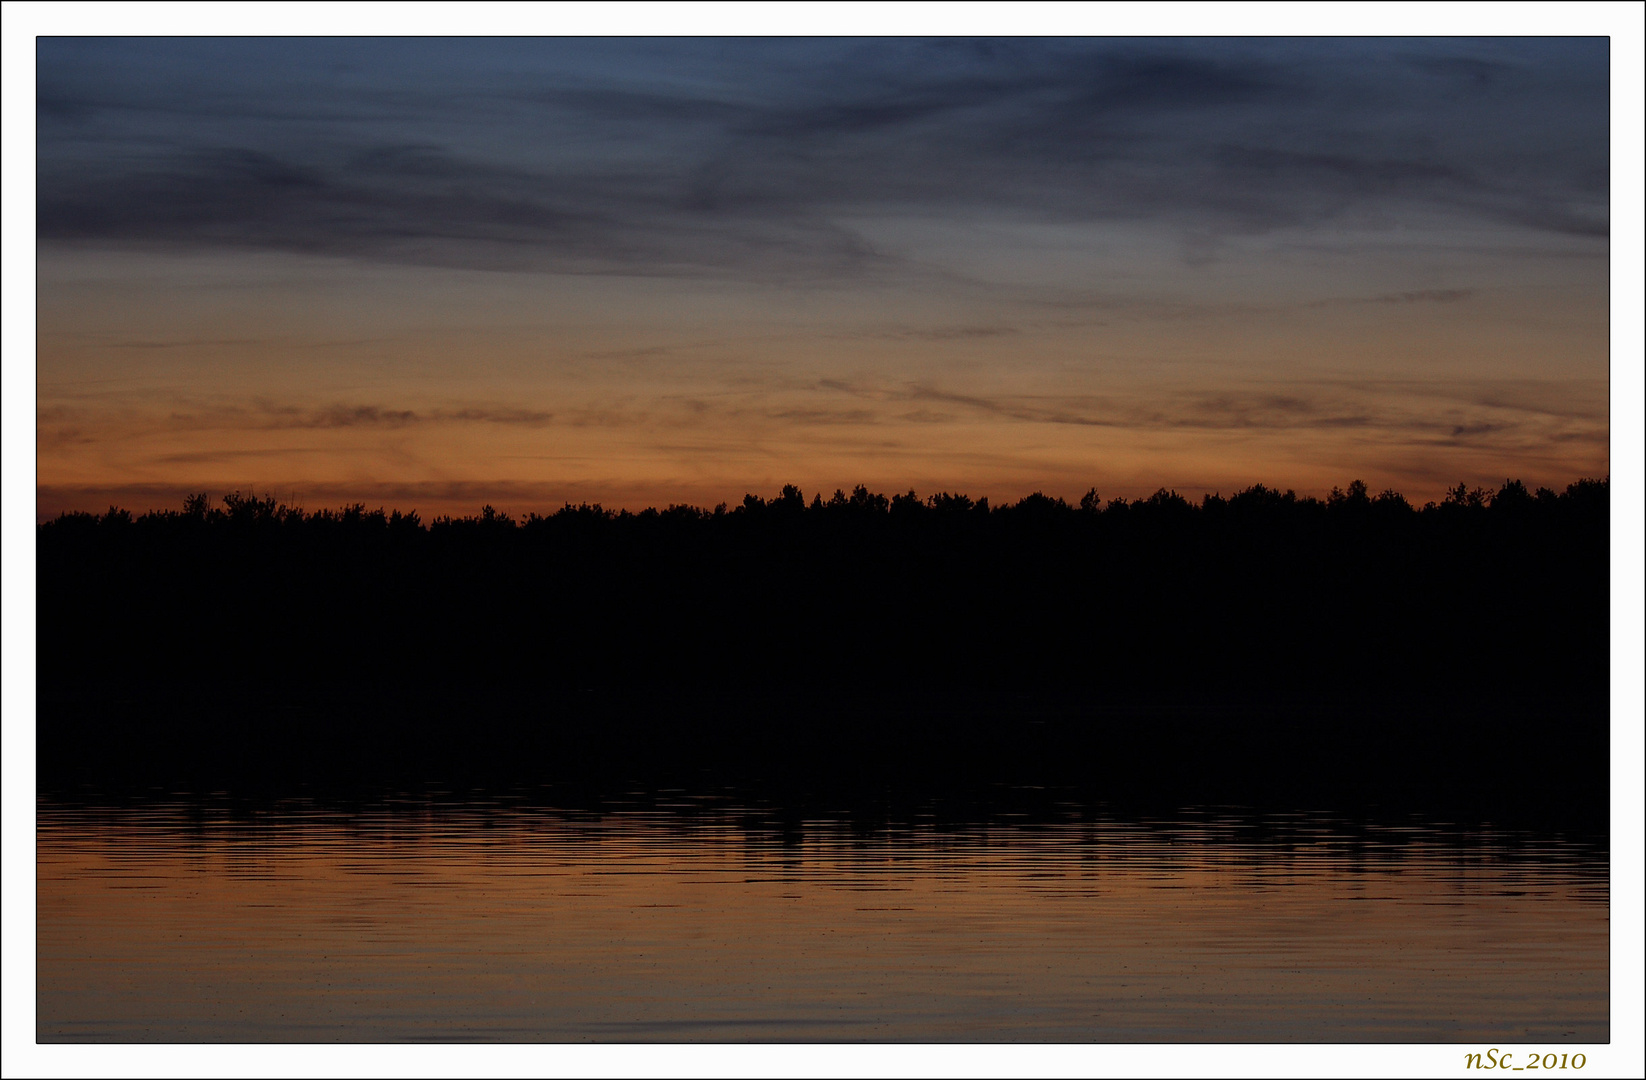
[181, 343]
[359, 415]
[1425, 296]
[826, 416]
[1479, 73]
[944, 333]
[1435, 413]
[1484, 428]
[268, 416]
[1414, 296]
[219, 457]
[528, 417]
[745, 157]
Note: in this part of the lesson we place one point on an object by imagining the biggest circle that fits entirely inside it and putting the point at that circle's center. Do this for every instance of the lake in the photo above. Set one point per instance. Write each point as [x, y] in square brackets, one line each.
[676, 917]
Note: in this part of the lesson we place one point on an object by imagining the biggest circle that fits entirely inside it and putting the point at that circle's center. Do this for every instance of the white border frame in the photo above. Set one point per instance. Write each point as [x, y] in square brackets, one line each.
[24, 21]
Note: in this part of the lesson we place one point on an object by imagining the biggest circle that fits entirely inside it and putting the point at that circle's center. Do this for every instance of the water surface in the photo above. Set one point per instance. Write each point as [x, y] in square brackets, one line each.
[467, 918]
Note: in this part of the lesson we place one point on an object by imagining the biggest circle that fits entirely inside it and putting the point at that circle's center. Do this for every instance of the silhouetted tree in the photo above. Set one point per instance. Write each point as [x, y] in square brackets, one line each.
[924, 606]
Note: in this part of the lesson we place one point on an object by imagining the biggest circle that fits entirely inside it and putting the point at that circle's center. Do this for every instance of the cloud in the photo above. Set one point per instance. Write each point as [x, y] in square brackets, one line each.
[1433, 412]
[1425, 296]
[743, 157]
[825, 416]
[269, 416]
[1484, 428]
[527, 417]
[945, 333]
[1416, 296]
[219, 457]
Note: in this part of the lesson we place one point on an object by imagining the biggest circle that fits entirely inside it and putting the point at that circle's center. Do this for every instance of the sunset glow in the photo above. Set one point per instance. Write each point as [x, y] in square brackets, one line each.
[439, 273]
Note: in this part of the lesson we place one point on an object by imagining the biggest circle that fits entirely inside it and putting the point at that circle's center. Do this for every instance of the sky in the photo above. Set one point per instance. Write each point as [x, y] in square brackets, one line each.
[435, 273]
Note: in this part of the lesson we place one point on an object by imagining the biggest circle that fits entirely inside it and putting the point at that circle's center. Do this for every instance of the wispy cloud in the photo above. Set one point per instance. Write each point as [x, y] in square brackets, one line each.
[1433, 411]
[94, 421]
[1425, 296]
[743, 157]
[225, 456]
[270, 416]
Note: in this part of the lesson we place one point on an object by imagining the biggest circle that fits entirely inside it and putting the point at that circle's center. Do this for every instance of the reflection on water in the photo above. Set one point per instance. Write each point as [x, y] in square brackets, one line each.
[466, 919]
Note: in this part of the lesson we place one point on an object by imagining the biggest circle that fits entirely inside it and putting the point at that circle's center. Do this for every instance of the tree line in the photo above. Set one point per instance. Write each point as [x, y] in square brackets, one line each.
[242, 510]
[858, 620]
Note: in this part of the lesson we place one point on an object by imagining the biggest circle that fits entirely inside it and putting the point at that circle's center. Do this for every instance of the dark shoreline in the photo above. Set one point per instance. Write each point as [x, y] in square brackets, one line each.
[1257, 648]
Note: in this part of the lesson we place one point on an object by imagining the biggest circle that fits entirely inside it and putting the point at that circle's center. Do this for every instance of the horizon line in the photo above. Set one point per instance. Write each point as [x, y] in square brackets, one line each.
[1091, 500]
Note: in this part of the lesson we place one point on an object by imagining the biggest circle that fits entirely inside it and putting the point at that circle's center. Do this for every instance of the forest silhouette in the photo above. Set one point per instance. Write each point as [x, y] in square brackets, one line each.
[1238, 642]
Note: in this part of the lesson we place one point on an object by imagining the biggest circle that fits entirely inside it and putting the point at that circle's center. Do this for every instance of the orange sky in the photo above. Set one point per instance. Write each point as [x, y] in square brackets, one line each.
[444, 389]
